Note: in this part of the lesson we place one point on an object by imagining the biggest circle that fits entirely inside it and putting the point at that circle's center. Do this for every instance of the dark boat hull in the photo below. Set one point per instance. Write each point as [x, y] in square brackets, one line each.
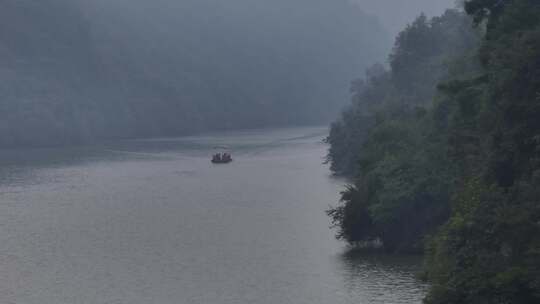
[221, 161]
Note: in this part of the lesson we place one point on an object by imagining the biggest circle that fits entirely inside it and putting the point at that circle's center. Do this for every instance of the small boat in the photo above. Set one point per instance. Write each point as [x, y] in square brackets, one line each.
[221, 158]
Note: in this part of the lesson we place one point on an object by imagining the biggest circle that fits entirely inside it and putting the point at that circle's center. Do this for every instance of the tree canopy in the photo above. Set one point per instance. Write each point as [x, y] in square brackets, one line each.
[455, 174]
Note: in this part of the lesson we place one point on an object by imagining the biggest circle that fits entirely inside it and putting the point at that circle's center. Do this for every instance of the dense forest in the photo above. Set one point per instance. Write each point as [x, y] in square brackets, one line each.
[443, 148]
[73, 71]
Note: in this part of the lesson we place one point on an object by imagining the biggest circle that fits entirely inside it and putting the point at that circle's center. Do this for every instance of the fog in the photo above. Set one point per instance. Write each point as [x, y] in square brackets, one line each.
[75, 70]
[269, 151]
[396, 14]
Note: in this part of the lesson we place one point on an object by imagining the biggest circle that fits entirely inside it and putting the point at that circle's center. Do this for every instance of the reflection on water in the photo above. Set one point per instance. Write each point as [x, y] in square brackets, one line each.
[153, 221]
[381, 279]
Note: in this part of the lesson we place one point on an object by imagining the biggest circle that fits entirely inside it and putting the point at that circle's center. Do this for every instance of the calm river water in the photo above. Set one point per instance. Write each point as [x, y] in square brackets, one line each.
[153, 221]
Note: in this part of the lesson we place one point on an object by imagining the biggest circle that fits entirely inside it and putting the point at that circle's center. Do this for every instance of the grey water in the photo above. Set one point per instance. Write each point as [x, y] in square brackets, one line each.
[153, 221]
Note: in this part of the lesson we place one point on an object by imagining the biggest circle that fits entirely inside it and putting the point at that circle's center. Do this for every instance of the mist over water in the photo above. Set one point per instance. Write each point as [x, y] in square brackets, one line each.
[104, 196]
[153, 221]
[164, 151]
[78, 71]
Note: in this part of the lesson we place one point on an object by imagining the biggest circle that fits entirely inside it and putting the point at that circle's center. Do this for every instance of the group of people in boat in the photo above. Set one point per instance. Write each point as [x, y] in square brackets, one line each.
[222, 158]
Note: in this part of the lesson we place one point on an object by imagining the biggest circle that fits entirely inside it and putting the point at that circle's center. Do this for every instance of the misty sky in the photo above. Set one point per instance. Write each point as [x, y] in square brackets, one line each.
[395, 14]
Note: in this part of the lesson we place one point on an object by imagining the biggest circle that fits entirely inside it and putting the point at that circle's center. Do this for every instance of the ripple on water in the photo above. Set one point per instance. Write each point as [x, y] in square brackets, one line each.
[152, 221]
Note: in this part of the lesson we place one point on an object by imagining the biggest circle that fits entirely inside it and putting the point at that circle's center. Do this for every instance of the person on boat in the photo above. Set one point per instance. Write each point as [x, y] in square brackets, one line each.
[221, 158]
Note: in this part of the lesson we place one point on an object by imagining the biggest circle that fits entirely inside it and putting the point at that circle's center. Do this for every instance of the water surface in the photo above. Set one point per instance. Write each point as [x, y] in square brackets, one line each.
[153, 221]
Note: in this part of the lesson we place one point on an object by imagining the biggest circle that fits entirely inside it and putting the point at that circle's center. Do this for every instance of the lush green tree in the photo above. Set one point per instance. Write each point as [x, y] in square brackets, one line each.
[488, 252]
[392, 143]
[468, 159]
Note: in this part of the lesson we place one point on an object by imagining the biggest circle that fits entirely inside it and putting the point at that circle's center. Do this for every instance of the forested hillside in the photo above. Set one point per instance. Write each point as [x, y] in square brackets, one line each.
[444, 153]
[74, 71]
[425, 53]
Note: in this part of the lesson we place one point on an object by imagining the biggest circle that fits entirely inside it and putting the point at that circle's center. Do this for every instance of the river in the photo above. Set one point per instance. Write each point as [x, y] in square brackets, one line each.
[153, 221]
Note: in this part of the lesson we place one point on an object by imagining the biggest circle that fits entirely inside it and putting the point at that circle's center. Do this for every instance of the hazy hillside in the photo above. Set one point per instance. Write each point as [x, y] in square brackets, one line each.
[396, 14]
[74, 70]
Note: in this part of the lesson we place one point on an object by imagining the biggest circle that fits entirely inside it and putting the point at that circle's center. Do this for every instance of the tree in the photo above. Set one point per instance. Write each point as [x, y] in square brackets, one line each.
[389, 141]
[488, 252]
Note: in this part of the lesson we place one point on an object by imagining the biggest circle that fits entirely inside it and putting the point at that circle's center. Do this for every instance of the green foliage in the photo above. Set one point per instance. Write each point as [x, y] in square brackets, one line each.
[470, 160]
[392, 143]
[419, 61]
[404, 184]
[488, 250]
